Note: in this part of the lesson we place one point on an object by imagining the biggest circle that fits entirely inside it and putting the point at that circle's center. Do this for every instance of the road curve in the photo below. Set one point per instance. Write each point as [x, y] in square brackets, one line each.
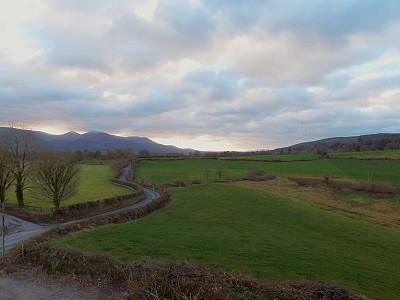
[18, 230]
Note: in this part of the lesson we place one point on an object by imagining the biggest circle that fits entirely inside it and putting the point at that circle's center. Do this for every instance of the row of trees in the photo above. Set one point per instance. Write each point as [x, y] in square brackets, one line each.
[111, 154]
[53, 175]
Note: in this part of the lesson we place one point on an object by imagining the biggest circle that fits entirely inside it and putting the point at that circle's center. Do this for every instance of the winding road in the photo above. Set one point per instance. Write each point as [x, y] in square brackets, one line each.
[18, 230]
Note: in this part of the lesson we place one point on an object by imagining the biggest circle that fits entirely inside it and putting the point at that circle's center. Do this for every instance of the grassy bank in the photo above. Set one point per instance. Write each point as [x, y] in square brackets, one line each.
[258, 233]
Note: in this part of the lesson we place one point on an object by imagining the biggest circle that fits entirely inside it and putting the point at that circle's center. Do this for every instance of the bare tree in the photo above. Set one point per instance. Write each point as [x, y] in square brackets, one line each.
[55, 177]
[144, 153]
[6, 176]
[220, 172]
[208, 172]
[21, 144]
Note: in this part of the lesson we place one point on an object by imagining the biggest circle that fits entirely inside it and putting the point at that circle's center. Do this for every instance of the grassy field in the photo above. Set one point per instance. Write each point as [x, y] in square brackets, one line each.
[164, 171]
[94, 184]
[250, 229]
[393, 154]
[283, 157]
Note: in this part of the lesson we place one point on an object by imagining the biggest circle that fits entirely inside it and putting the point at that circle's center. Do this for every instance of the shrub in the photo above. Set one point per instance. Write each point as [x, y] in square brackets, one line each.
[196, 180]
[259, 175]
[177, 183]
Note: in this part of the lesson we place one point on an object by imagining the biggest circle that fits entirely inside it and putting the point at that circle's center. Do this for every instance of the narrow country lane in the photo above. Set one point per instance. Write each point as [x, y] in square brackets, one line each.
[18, 230]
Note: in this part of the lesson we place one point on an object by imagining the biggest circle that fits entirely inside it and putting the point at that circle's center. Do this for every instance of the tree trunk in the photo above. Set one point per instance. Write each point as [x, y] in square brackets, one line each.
[2, 196]
[19, 192]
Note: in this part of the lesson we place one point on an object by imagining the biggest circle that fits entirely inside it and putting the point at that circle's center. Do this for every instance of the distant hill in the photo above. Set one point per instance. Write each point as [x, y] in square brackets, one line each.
[93, 141]
[370, 142]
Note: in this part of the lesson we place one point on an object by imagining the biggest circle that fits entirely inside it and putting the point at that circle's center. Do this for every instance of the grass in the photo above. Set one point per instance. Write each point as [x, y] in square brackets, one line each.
[94, 185]
[258, 233]
[393, 154]
[283, 157]
[165, 171]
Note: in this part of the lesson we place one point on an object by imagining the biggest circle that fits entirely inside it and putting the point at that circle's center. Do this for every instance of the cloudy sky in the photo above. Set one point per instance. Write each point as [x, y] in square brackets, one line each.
[211, 75]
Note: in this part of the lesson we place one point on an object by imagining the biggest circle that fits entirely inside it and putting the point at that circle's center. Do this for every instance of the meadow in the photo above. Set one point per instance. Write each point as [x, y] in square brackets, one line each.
[272, 230]
[381, 154]
[94, 185]
[269, 234]
[358, 170]
[282, 157]
[392, 154]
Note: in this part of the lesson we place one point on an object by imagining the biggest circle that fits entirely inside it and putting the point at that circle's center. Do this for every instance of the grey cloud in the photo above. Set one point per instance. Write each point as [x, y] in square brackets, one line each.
[193, 23]
[216, 85]
[327, 18]
[290, 83]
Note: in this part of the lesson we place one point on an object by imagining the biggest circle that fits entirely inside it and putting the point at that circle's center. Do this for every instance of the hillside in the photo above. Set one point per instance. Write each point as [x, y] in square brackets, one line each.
[370, 142]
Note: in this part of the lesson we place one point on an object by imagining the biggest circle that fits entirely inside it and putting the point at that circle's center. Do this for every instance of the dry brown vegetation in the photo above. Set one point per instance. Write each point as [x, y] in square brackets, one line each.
[155, 279]
[377, 190]
[321, 196]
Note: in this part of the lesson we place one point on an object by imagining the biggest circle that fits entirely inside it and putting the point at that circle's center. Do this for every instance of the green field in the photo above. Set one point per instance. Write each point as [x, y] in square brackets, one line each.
[94, 185]
[283, 157]
[393, 154]
[164, 171]
[258, 233]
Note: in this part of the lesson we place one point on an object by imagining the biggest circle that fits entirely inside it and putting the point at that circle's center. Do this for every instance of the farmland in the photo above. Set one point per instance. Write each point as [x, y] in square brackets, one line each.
[283, 157]
[94, 184]
[273, 230]
[381, 154]
[253, 231]
[164, 171]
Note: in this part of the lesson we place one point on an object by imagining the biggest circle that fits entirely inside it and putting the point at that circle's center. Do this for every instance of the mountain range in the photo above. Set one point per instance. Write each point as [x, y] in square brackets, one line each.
[95, 140]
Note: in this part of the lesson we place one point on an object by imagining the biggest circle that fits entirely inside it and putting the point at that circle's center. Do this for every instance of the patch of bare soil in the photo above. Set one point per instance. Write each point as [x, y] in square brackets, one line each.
[34, 284]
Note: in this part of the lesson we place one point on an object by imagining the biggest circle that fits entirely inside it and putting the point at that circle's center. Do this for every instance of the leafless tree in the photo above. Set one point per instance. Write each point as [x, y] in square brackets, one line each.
[55, 177]
[21, 144]
[220, 172]
[6, 176]
[207, 171]
[144, 153]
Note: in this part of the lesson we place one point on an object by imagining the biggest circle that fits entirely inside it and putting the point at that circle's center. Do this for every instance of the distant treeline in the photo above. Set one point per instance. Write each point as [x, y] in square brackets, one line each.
[323, 147]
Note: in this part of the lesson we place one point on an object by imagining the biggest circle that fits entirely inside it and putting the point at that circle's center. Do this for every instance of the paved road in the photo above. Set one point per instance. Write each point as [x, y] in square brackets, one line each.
[18, 230]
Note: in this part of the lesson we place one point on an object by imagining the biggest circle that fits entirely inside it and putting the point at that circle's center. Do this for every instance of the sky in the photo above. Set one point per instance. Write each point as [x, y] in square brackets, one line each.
[209, 75]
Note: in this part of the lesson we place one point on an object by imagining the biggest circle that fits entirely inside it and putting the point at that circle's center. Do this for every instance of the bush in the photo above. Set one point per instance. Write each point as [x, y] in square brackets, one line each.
[195, 180]
[259, 175]
[177, 183]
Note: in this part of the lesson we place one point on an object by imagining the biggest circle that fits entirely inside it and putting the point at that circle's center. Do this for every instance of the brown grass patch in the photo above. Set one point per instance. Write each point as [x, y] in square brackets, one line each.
[373, 211]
